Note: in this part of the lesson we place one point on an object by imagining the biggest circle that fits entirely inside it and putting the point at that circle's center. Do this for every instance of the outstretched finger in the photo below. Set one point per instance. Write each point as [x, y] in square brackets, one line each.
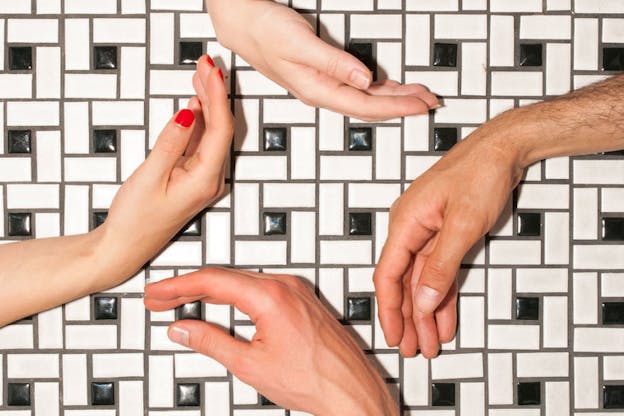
[404, 240]
[457, 235]
[208, 339]
[219, 125]
[224, 286]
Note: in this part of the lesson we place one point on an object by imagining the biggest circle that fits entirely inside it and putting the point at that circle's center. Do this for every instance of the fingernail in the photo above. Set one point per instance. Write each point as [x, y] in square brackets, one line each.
[185, 118]
[179, 335]
[439, 104]
[221, 74]
[210, 61]
[360, 79]
[427, 299]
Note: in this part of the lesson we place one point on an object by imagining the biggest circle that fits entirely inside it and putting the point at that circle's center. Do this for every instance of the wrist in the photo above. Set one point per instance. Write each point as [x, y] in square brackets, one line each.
[363, 396]
[111, 260]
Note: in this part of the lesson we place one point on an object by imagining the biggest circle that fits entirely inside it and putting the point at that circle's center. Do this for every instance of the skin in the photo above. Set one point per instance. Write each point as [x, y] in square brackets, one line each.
[450, 207]
[300, 357]
[317, 73]
[182, 175]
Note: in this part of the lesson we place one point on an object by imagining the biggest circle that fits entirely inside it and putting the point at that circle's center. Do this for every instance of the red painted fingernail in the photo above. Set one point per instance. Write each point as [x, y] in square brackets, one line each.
[210, 61]
[185, 118]
[221, 74]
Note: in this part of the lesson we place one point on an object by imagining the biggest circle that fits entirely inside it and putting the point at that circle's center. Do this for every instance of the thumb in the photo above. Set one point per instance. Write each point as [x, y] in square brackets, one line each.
[172, 142]
[334, 62]
[456, 237]
[207, 339]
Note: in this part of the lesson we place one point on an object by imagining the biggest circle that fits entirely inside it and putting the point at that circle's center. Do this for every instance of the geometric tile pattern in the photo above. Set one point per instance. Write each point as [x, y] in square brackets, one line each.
[86, 88]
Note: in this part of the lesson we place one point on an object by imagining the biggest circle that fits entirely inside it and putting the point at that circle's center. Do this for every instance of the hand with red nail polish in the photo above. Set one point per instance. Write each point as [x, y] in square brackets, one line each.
[282, 45]
[183, 174]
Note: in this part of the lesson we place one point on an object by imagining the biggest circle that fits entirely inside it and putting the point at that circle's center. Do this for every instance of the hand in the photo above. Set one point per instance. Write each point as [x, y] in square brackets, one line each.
[282, 45]
[433, 224]
[182, 175]
[300, 356]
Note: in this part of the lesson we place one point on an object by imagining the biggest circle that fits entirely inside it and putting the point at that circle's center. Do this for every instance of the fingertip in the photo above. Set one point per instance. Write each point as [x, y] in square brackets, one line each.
[432, 101]
[360, 79]
[185, 118]
[427, 299]
[179, 334]
[392, 333]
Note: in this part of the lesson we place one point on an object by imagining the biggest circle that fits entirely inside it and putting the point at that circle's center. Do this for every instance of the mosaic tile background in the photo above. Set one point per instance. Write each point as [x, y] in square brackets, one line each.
[541, 328]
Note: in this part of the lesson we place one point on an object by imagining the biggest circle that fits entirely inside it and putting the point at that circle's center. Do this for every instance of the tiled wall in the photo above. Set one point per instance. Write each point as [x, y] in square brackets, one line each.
[86, 86]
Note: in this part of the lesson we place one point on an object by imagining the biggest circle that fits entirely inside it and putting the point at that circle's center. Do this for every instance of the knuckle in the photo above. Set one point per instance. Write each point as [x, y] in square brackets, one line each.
[204, 343]
[332, 66]
[168, 144]
[305, 99]
[242, 366]
[277, 293]
[435, 267]
[296, 283]
[215, 189]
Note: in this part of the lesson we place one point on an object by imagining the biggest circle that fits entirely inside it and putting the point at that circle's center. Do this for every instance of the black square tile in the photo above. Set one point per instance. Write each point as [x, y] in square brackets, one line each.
[443, 394]
[266, 402]
[527, 308]
[18, 394]
[613, 397]
[444, 138]
[529, 394]
[193, 228]
[364, 52]
[274, 223]
[19, 141]
[360, 138]
[613, 229]
[20, 58]
[20, 224]
[190, 52]
[613, 59]
[613, 313]
[105, 308]
[105, 57]
[359, 308]
[360, 223]
[99, 217]
[529, 224]
[102, 394]
[445, 54]
[187, 394]
[191, 310]
[530, 54]
[275, 139]
[104, 141]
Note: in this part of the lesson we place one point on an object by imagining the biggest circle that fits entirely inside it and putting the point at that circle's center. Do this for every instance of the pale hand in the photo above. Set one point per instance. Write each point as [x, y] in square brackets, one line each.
[282, 45]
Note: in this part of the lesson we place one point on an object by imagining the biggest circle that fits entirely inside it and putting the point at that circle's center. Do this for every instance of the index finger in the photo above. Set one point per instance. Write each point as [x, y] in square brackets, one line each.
[215, 143]
[224, 286]
[397, 254]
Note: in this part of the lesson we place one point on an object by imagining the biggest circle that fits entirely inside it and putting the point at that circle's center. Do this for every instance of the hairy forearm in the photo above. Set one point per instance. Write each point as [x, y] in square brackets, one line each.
[585, 121]
[37, 275]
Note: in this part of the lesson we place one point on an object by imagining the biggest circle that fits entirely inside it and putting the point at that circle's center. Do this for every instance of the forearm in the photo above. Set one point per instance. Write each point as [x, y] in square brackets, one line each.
[353, 387]
[585, 121]
[228, 17]
[37, 275]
